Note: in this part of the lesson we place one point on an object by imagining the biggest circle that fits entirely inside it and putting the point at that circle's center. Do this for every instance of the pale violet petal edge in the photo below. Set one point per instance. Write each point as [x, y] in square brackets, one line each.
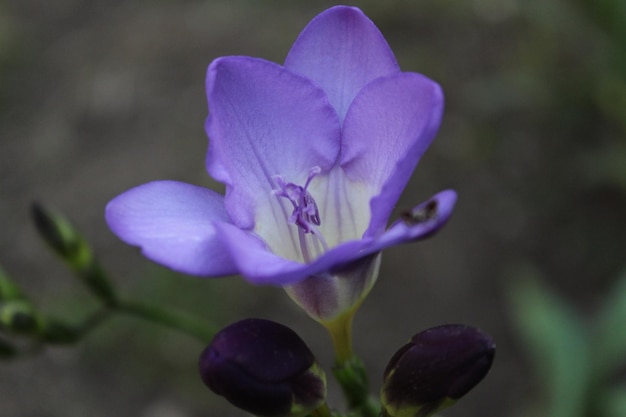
[173, 223]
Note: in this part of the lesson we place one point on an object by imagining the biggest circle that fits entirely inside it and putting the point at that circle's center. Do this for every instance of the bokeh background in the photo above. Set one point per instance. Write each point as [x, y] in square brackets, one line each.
[99, 96]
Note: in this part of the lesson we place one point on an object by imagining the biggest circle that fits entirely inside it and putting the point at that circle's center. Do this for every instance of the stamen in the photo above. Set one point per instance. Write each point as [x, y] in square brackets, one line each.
[305, 213]
[312, 173]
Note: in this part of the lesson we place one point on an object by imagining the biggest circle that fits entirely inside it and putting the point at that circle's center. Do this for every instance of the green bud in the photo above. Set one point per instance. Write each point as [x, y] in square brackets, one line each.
[65, 240]
[59, 233]
[20, 317]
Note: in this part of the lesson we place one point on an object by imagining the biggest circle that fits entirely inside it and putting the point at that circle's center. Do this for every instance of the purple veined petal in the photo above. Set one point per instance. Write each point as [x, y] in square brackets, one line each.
[260, 266]
[389, 125]
[173, 223]
[342, 51]
[265, 121]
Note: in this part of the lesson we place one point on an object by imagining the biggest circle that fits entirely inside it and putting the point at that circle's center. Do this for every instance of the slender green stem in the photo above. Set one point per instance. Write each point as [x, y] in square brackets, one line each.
[341, 334]
[349, 370]
[177, 321]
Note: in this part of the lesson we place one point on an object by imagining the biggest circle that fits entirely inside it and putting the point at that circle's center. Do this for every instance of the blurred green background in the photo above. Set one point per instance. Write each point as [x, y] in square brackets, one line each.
[100, 96]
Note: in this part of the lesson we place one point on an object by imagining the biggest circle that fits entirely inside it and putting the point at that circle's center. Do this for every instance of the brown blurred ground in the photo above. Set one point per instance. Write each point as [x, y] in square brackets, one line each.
[99, 96]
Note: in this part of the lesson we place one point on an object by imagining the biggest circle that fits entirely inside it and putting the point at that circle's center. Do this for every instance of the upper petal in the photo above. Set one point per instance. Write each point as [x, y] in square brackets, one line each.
[173, 223]
[265, 121]
[388, 127]
[341, 50]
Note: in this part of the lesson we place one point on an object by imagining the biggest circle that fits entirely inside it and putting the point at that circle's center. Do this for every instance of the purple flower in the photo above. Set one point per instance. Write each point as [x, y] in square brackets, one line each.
[314, 155]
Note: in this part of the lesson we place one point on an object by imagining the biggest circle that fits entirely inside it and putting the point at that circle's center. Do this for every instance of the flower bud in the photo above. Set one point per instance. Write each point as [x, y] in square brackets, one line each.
[57, 232]
[436, 368]
[65, 240]
[264, 368]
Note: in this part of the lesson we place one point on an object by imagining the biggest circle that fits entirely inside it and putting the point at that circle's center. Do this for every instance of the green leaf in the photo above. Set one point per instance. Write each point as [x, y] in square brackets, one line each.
[556, 341]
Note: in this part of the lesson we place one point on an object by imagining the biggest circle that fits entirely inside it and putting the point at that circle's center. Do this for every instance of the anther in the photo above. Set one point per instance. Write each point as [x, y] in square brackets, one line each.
[305, 212]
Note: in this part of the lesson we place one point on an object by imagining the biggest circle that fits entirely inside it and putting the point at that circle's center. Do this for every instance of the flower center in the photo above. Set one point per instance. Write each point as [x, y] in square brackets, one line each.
[305, 214]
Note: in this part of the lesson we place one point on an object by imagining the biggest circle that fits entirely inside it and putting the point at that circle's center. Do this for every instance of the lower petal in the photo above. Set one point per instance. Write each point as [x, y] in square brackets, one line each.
[174, 224]
[327, 294]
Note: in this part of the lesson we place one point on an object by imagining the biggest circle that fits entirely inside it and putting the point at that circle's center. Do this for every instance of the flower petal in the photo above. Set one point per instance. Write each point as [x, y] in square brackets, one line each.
[265, 121]
[341, 50]
[387, 129]
[260, 266]
[173, 223]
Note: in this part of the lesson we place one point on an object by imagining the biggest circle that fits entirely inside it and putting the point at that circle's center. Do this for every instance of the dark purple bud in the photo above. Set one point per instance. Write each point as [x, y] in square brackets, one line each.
[264, 368]
[436, 368]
